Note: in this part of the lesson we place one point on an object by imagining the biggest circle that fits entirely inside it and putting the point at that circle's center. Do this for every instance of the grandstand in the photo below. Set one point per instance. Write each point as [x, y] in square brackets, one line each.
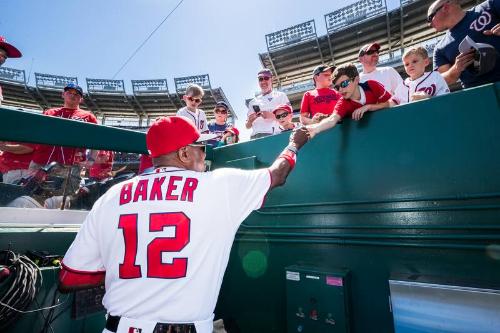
[292, 53]
[108, 99]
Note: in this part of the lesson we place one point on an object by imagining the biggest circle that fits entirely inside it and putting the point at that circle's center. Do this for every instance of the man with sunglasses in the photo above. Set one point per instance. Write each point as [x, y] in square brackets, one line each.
[260, 109]
[219, 125]
[387, 76]
[481, 24]
[357, 98]
[157, 241]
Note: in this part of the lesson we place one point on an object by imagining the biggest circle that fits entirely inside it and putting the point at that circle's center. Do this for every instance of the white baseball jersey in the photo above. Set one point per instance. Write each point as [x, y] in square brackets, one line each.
[198, 118]
[267, 102]
[162, 244]
[431, 83]
[386, 76]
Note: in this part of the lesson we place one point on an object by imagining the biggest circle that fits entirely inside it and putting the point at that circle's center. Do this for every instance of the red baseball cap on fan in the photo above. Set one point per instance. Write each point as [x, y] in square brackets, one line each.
[169, 134]
[11, 50]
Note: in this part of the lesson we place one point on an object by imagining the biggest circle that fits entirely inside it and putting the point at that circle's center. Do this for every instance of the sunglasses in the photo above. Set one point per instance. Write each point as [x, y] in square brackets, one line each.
[264, 78]
[201, 146]
[281, 116]
[196, 100]
[431, 15]
[372, 52]
[342, 84]
[222, 111]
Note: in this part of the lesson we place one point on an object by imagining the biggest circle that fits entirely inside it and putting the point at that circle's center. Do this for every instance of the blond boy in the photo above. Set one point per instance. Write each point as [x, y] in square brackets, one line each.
[193, 98]
[419, 84]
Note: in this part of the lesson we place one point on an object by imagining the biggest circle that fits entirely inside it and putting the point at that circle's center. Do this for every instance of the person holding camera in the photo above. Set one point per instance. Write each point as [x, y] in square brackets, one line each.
[260, 109]
[481, 24]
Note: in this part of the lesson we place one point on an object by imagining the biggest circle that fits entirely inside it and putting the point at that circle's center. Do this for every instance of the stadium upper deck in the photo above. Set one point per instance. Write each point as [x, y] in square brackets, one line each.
[292, 53]
[108, 98]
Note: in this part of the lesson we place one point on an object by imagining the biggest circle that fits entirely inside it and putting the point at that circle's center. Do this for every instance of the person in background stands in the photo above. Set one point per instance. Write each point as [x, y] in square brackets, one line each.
[231, 135]
[481, 24]
[219, 125]
[387, 76]
[260, 109]
[319, 103]
[69, 157]
[283, 114]
[193, 98]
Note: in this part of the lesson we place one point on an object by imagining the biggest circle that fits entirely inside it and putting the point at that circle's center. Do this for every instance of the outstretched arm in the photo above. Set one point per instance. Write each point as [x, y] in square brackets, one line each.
[324, 125]
[284, 164]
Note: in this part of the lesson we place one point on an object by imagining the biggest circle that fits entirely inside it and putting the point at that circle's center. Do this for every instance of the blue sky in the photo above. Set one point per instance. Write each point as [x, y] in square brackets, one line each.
[94, 38]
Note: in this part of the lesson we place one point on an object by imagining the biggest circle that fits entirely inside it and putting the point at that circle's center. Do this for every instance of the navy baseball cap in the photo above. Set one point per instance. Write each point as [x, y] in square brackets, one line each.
[221, 104]
[322, 68]
[71, 85]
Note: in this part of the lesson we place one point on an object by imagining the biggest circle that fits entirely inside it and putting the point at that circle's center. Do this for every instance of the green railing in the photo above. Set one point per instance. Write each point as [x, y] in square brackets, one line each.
[413, 190]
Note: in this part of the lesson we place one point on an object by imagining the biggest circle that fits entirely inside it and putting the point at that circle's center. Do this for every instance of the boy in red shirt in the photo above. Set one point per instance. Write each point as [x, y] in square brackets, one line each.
[357, 98]
[319, 103]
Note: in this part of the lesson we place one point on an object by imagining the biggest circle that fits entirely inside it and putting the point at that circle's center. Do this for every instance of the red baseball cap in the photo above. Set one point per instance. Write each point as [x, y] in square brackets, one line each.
[368, 47]
[169, 134]
[285, 107]
[12, 51]
[233, 130]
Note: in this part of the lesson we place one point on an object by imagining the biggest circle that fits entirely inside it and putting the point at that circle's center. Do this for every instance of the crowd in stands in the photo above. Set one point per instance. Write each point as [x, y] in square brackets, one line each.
[468, 52]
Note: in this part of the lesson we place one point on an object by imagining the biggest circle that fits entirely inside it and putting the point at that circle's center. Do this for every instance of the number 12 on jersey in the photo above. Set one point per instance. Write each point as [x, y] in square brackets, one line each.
[155, 267]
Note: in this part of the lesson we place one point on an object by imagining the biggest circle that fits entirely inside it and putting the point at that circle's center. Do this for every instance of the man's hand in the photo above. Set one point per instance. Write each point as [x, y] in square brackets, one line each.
[463, 60]
[359, 112]
[495, 31]
[299, 137]
[251, 119]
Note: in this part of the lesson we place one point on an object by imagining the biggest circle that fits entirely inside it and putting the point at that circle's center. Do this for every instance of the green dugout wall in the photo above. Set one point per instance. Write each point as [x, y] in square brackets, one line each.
[408, 194]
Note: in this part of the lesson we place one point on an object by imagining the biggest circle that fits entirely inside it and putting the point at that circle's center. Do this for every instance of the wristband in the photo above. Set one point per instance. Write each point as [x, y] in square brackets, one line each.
[293, 149]
[289, 156]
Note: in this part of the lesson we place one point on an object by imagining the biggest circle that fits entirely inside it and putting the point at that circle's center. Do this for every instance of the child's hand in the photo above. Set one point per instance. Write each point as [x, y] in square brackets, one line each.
[359, 112]
[419, 95]
[312, 130]
[318, 117]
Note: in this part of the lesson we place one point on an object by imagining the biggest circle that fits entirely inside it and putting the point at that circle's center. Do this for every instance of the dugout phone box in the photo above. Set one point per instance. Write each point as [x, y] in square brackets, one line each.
[317, 300]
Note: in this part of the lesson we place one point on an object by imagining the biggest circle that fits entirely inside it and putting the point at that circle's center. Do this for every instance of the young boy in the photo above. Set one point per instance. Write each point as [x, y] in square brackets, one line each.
[319, 103]
[193, 97]
[420, 84]
[357, 98]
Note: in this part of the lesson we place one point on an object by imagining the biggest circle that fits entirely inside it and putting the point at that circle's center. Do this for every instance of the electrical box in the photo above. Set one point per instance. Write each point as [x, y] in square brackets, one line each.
[317, 300]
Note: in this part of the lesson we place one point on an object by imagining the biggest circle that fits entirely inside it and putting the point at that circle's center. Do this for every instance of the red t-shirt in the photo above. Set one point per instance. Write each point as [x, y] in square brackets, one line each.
[319, 101]
[101, 170]
[374, 93]
[11, 161]
[45, 154]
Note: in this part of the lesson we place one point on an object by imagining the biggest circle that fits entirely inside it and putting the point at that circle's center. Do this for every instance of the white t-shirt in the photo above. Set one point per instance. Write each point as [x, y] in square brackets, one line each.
[387, 76]
[267, 102]
[198, 118]
[431, 83]
[162, 244]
